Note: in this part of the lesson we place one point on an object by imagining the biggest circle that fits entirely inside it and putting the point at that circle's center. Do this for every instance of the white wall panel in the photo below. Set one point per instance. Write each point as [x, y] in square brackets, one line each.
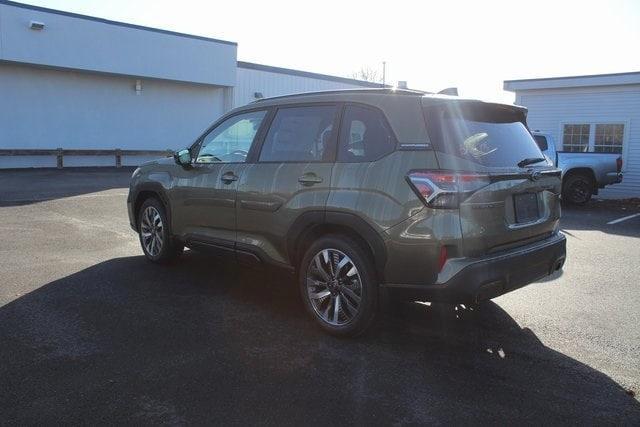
[44, 108]
[275, 84]
[93, 44]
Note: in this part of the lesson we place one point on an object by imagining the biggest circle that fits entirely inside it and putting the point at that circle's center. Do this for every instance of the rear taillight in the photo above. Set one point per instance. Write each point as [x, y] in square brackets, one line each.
[445, 189]
[619, 164]
[442, 259]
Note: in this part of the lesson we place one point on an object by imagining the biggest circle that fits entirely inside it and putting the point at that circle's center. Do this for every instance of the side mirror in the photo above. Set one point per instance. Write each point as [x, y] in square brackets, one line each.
[182, 157]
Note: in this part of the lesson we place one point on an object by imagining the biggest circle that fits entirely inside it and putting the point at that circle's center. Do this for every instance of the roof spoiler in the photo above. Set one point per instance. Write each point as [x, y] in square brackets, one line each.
[453, 91]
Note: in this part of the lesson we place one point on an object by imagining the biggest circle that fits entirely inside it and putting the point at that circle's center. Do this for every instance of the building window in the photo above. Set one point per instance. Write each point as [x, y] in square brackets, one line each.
[576, 137]
[593, 137]
[608, 138]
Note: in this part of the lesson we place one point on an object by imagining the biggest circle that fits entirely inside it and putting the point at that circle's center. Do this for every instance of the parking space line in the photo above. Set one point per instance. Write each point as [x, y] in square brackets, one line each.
[615, 221]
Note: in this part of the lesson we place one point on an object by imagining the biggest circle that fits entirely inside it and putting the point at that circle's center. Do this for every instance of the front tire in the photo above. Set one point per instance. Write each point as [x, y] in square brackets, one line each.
[338, 286]
[577, 189]
[155, 236]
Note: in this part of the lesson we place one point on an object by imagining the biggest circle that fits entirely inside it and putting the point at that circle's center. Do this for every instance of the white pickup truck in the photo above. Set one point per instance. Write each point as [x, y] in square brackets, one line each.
[583, 173]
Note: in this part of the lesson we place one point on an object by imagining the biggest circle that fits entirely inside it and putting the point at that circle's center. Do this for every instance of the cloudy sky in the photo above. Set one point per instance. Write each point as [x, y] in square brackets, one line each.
[473, 45]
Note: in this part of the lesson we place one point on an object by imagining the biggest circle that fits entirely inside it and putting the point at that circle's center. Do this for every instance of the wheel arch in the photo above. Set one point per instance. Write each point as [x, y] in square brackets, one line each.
[312, 225]
[146, 191]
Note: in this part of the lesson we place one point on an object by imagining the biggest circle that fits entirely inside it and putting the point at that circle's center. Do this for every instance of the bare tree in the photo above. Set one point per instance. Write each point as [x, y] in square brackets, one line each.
[368, 74]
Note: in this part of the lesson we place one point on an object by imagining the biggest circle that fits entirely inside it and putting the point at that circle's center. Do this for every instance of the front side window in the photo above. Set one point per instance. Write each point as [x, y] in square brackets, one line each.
[299, 134]
[575, 137]
[608, 138]
[364, 135]
[231, 140]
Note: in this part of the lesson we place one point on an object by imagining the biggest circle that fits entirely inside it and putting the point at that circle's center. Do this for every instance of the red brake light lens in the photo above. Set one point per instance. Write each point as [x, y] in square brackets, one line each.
[445, 189]
[442, 259]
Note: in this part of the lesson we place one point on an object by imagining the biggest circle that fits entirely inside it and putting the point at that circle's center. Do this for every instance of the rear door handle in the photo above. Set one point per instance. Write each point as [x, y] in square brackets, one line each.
[229, 177]
[309, 179]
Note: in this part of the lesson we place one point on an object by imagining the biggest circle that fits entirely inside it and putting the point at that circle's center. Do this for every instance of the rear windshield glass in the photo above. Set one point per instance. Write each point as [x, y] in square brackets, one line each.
[491, 136]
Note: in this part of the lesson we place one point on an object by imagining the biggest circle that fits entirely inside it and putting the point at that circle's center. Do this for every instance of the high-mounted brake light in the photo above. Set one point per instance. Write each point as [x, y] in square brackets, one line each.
[445, 189]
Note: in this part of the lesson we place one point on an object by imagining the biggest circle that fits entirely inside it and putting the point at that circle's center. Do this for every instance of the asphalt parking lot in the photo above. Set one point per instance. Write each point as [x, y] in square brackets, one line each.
[91, 333]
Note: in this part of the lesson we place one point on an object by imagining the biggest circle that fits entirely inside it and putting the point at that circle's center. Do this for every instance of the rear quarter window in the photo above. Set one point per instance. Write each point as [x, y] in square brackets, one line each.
[364, 135]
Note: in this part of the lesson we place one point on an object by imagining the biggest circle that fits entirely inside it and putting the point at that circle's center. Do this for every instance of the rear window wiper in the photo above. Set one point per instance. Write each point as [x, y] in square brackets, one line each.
[529, 161]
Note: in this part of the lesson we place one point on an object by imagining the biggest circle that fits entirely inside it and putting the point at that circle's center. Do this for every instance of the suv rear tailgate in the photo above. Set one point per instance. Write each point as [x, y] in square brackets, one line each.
[512, 210]
[520, 202]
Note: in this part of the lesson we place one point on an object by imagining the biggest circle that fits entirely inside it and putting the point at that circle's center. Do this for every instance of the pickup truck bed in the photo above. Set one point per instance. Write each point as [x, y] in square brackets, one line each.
[583, 173]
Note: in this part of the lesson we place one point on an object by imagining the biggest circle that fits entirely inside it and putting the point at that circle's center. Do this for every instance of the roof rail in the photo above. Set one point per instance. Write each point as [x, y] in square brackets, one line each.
[388, 90]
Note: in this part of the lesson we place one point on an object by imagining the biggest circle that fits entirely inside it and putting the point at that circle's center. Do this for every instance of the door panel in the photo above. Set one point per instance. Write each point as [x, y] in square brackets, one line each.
[205, 192]
[369, 176]
[292, 176]
[271, 197]
[204, 201]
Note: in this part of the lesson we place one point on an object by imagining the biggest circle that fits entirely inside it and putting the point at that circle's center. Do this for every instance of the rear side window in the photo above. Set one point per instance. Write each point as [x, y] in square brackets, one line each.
[490, 136]
[364, 135]
[299, 134]
[541, 141]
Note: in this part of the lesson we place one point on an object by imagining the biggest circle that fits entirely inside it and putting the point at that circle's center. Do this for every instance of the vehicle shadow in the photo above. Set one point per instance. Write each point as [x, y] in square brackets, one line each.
[27, 186]
[125, 341]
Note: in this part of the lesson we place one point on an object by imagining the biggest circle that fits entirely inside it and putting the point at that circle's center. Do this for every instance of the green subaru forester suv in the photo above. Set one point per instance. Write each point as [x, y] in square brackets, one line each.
[362, 193]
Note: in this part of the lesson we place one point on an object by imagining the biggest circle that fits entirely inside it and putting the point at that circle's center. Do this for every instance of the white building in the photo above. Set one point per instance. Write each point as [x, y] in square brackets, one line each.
[82, 83]
[589, 113]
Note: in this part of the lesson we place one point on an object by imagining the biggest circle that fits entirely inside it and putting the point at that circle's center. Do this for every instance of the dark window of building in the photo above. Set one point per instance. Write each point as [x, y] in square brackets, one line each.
[575, 137]
[608, 138]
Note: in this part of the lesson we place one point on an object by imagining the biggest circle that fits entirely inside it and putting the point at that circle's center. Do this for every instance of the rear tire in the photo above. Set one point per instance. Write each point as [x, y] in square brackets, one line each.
[155, 234]
[577, 189]
[338, 285]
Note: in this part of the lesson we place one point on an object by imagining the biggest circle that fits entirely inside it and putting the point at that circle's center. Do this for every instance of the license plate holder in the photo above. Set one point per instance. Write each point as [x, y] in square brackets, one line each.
[526, 207]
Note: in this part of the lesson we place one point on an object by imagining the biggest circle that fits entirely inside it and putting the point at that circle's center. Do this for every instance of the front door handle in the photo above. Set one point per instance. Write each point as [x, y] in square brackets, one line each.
[309, 179]
[229, 177]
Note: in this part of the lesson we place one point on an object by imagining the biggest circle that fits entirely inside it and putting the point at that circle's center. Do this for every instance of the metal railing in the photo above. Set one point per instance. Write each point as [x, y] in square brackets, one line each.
[60, 153]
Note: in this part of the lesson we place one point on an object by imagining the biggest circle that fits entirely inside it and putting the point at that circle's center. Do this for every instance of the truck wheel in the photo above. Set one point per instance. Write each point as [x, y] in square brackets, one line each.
[339, 286]
[577, 189]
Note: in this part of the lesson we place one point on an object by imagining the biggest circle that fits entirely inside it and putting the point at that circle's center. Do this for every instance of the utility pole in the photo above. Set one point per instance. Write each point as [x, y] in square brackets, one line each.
[384, 68]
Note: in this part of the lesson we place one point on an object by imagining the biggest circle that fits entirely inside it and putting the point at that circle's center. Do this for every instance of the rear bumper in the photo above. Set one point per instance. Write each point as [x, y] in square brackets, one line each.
[618, 178]
[612, 178]
[491, 276]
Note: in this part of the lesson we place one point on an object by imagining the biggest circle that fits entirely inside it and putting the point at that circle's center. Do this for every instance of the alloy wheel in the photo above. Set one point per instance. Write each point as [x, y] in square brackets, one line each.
[334, 287]
[151, 229]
